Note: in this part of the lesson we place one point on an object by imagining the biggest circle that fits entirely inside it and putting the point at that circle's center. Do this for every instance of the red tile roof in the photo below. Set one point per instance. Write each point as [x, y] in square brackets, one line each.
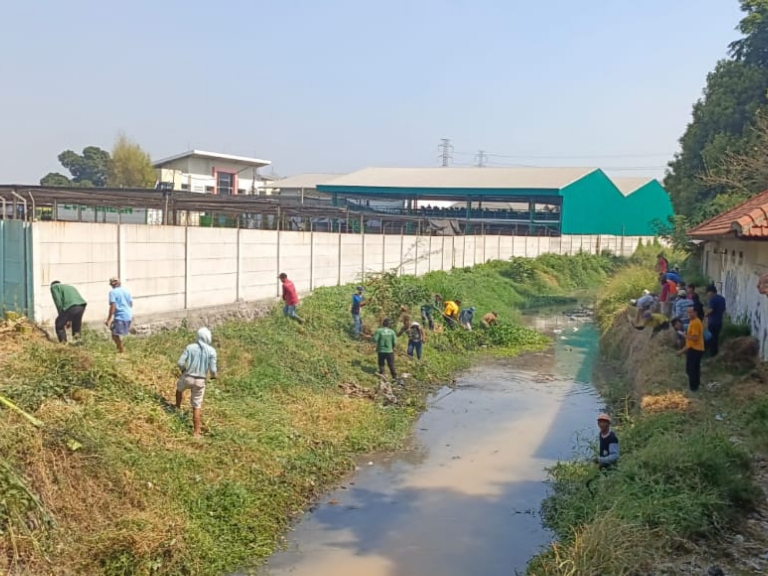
[747, 220]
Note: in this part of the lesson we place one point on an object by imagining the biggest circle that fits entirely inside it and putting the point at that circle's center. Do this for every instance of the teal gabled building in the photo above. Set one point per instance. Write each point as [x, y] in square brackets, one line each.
[555, 200]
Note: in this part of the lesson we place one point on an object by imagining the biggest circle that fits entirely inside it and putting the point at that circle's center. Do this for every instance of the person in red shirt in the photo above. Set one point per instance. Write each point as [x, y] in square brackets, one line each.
[662, 264]
[290, 297]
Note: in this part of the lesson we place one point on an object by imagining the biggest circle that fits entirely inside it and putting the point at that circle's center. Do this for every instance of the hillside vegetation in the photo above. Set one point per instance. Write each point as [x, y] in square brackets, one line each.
[112, 483]
[691, 469]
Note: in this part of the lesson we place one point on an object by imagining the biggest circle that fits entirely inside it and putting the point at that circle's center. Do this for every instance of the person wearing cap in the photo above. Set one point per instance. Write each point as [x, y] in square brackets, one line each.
[71, 306]
[385, 340]
[415, 340]
[358, 301]
[466, 316]
[644, 304]
[120, 313]
[290, 297]
[196, 362]
[608, 443]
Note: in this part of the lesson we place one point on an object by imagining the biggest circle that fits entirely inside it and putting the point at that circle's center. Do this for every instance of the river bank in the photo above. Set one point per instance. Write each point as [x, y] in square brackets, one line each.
[112, 483]
[688, 496]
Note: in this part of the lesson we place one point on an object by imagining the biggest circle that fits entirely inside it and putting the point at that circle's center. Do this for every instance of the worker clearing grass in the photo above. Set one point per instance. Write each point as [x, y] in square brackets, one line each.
[196, 362]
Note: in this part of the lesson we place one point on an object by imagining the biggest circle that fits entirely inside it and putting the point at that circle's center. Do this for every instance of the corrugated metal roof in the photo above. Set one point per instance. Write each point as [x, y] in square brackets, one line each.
[629, 185]
[490, 178]
[747, 220]
[213, 156]
[307, 181]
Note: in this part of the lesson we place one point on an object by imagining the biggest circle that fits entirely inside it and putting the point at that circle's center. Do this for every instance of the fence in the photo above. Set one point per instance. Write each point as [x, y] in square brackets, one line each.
[15, 266]
[170, 268]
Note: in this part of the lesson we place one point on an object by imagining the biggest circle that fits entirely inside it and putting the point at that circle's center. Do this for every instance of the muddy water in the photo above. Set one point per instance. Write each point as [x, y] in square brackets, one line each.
[464, 501]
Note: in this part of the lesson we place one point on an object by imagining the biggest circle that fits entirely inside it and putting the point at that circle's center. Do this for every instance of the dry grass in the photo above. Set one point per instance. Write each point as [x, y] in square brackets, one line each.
[667, 402]
[607, 546]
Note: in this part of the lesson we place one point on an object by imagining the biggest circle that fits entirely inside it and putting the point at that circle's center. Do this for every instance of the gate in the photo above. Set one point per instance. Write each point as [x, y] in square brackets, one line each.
[15, 267]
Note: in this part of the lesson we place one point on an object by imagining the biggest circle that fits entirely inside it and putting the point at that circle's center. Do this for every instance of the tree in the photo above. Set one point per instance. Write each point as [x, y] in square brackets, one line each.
[131, 167]
[723, 120]
[88, 169]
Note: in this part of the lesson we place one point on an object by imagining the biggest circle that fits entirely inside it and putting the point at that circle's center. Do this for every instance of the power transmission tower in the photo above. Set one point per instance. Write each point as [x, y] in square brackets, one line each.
[481, 158]
[445, 148]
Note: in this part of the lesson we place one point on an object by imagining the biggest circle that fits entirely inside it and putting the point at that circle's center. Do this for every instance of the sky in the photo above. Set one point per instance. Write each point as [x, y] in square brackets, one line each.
[339, 85]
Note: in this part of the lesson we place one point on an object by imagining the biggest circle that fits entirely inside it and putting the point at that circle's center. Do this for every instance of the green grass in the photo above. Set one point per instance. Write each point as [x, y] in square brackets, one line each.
[686, 472]
[113, 483]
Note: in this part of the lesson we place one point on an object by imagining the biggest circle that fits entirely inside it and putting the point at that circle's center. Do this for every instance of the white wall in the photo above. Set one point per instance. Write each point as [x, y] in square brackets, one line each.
[735, 267]
[172, 268]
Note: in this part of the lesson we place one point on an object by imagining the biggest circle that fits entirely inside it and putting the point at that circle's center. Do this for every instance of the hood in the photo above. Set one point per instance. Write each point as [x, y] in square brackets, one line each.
[204, 336]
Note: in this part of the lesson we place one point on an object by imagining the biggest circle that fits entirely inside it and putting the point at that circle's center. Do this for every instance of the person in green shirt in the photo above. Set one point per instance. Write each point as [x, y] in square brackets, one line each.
[385, 339]
[70, 306]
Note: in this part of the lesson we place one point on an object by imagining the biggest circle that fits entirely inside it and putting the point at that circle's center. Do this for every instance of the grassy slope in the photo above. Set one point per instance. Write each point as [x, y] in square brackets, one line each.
[113, 484]
[687, 466]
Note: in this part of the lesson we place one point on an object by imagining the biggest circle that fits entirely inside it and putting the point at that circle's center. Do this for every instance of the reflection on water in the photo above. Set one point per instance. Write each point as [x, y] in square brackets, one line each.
[453, 506]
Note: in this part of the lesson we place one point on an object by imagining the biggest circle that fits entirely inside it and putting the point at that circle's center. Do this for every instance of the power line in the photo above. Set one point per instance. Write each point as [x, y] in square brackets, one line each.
[446, 149]
[481, 158]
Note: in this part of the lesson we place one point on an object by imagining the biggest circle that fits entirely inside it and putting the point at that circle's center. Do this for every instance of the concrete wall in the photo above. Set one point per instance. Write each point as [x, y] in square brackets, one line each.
[172, 268]
[735, 267]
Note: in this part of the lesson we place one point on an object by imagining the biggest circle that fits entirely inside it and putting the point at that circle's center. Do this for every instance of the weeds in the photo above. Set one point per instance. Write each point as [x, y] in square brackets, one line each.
[114, 465]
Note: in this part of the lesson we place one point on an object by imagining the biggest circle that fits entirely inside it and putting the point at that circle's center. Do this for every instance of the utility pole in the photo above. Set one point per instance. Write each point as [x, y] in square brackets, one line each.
[481, 158]
[445, 148]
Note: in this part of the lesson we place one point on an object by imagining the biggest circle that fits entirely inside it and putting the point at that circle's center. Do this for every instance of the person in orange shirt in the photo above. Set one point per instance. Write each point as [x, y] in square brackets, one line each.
[694, 349]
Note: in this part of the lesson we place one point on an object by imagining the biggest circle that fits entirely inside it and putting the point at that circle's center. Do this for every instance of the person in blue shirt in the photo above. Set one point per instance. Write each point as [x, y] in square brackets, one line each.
[358, 301]
[674, 276]
[120, 313]
[715, 316]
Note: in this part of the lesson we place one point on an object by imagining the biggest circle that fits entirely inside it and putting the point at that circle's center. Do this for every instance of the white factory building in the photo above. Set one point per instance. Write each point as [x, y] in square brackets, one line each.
[213, 173]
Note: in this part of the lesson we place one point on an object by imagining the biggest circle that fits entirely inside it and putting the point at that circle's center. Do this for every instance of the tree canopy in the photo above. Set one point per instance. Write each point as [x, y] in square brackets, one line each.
[131, 167]
[724, 126]
[127, 167]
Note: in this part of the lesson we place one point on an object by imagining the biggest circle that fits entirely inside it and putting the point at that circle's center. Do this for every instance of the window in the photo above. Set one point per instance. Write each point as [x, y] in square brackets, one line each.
[242, 191]
[209, 190]
[741, 258]
[185, 187]
[224, 181]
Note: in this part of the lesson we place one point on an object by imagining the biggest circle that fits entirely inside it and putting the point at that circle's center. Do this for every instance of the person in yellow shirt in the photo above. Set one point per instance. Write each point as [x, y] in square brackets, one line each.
[658, 322]
[451, 313]
[694, 349]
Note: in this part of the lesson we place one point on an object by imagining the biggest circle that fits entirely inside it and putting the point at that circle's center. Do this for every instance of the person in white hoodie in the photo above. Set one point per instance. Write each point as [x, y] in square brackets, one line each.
[196, 362]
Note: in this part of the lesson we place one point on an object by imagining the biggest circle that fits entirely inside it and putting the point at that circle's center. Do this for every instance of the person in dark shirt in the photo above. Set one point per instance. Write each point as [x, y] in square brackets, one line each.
[608, 443]
[358, 301]
[694, 297]
[715, 318]
[70, 306]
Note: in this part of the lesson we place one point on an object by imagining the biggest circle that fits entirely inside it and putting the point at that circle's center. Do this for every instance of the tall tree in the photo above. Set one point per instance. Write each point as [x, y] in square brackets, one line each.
[131, 167]
[88, 169]
[722, 121]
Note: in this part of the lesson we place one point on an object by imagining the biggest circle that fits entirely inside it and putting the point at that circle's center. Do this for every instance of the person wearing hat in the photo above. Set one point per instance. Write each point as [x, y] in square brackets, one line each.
[358, 301]
[196, 362]
[120, 313]
[290, 297]
[415, 340]
[608, 443]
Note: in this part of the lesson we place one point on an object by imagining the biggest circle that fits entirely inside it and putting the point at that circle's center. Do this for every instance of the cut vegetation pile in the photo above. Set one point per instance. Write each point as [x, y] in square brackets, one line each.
[691, 465]
[112, 483]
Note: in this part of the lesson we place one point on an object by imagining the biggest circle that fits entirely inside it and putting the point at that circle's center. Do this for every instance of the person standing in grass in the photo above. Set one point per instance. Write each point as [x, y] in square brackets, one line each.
[415, 340]
[196, 362]
[358, 301]
[608, 443]
[290, 297]
[693, 350]
[715, 316]
[70, 306]
[427, 310]
[385, 340]
[120, 313]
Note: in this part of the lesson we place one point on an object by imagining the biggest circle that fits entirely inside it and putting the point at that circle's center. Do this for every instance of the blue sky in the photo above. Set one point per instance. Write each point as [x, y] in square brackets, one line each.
[337, 85]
